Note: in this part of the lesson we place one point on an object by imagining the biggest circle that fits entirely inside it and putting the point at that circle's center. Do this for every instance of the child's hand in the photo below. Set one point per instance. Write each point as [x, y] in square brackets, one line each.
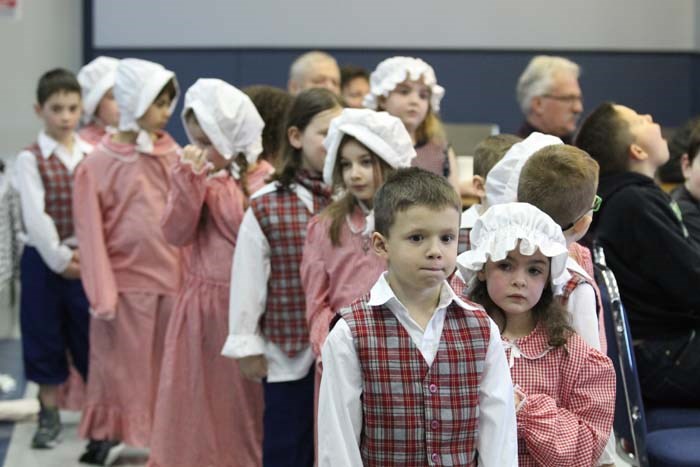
[195, 155]
[253, 367]
[72, 271]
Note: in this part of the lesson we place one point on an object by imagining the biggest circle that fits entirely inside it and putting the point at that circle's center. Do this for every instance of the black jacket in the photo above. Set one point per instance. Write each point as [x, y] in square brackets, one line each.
[647, 246]
[690, 208]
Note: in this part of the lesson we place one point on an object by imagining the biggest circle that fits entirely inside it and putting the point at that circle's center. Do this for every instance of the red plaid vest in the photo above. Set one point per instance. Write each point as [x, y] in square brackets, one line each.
[415, 415]
[58, 191]
[283, 217]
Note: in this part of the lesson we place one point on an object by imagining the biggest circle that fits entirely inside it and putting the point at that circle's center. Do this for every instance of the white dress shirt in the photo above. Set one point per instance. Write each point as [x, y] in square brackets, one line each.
[249, 276]
[583, 308]
[340, 403]
[470, 216]
[40, 229]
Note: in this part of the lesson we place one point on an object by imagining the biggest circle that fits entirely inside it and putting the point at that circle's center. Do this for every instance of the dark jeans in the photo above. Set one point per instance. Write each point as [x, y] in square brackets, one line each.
[669, 370]
[288, 423]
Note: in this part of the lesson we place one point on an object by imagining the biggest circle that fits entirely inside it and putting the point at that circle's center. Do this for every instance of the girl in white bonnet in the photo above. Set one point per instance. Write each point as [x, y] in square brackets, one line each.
[564, 389]
[407, 88]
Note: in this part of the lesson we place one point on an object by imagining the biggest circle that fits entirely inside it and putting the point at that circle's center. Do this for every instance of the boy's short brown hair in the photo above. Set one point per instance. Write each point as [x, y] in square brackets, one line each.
[606, 136]
[410, 187]
[53, 81]
[560, 180]
[491, 150]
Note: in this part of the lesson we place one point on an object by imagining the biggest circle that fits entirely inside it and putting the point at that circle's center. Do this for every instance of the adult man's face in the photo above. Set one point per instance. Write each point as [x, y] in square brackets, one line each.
[557, 112]
[322, 74]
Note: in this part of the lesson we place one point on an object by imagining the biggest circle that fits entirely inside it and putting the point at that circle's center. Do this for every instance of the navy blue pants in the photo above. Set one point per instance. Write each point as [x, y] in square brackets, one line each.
[288, 423]
[55, 321]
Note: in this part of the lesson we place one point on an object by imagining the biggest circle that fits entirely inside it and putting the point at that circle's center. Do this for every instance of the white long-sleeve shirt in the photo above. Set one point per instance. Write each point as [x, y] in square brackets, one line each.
[40, 229]
[340, 403]
[249, 276]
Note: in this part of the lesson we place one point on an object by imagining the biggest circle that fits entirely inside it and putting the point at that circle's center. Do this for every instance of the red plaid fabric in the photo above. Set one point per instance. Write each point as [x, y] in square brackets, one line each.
[458, 285]
[582, 256]
[569, 400]
[415, 415]
[433, 158]
[283, 217]
[58, 191]
[463, 242]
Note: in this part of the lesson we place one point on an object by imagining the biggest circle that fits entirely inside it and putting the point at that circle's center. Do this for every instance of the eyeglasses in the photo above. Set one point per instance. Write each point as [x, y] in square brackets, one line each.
[597, 201]
[569, 99]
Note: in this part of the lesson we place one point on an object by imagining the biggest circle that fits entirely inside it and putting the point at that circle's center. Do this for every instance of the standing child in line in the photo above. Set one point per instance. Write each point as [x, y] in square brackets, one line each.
[100, 111]
[564, 389]
[221, 423]
[130, 272]
[413, 375]
[364, 147]
[54, 317]
[272, 104]
[267, 326]
[406, 87]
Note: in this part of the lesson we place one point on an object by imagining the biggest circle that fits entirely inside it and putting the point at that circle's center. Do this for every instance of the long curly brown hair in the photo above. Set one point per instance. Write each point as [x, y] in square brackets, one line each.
[548, 311]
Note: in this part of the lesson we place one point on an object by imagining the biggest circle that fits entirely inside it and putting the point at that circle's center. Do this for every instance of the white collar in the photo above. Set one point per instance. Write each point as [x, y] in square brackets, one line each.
[382, 293]
[47, 145]
[572, 265]
[470, 216]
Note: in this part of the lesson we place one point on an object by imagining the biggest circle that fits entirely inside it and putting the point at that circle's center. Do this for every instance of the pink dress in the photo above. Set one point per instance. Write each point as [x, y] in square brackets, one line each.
[207, 413]
[92, 133]
[257, 178]
[335, 276]
[567, 414]
[131, 275]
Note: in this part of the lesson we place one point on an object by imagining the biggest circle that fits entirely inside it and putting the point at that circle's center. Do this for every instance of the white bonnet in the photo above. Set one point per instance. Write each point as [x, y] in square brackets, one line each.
[392, 71]
[227, 116]
[136, 85]
[502, 179]
[96, 78]
[380, 132]
[498, 231]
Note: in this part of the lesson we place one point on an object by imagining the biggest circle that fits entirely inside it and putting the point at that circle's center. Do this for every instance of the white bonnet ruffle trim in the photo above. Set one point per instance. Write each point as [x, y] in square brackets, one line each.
[392, 71]
[498, 232]
[96, 78]
[227, 116]
[502, 180]
[380, 132]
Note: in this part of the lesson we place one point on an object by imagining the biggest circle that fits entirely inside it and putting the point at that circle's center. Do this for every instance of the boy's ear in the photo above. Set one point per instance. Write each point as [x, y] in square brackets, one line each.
[637, 153]
[536, 105]
[294, 137]
[685, 164]
[379, 245]
[479, 185]
[37, 109]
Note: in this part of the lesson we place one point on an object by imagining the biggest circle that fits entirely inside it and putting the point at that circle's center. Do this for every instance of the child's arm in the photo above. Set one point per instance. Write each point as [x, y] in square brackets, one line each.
[497, 444]
[185, 200]
[315, 280]
[41, 230]
[96, 270]
[249, 276]
[576, 432]
[583, 308]
[340, 403]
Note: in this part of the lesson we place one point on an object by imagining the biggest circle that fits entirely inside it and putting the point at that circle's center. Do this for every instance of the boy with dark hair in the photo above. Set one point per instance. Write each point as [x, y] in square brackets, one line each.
[54, 316]
[354, 85]
[648, 248]
[687, 195]
[413, 375]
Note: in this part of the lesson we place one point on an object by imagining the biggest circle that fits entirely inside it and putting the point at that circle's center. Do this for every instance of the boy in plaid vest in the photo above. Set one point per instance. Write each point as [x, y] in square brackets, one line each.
[54, 316]
[413, 375]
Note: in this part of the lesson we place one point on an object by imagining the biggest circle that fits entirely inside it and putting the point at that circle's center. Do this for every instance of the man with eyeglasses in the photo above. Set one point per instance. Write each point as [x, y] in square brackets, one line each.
[550, 97]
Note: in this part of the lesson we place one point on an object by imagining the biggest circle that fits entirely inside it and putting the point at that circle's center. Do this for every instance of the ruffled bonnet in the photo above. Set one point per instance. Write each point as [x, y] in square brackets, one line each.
[392, 71]
[96, 78]
[498, 232]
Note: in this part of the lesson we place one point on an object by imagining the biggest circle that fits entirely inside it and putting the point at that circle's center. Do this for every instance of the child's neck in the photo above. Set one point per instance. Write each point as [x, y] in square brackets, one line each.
[66, 141]
[643, 169]
[420, 304]
[129, 137]
[519, 325]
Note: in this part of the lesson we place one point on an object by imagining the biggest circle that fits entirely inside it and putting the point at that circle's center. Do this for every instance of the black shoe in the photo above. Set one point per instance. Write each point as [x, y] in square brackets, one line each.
[104, 452]
[48, 433]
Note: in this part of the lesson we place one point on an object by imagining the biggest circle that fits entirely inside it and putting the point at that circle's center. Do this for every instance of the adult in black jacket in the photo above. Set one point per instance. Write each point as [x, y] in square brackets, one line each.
[648, 248]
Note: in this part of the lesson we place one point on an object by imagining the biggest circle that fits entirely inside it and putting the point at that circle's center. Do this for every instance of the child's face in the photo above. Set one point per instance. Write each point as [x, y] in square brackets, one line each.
[409, 101]
[60, 113]
[357, 169]
[691, 173]
[646, 134]
[157, 115]
[107, 110]
[515, 284]
[421, 248]
[355, 91]
[201, 140]
[310, 141]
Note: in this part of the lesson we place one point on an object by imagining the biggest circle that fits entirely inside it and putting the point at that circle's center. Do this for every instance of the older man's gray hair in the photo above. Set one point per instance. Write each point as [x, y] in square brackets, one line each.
[537, 78]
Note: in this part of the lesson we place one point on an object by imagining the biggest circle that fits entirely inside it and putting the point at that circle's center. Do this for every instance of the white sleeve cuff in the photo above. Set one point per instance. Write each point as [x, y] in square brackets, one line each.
[243, 346]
